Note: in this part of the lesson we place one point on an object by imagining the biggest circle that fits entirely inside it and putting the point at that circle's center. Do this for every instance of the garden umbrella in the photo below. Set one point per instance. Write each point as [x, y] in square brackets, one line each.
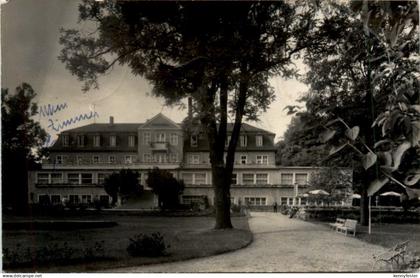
[356, 196]
[391, 193]
[319, 192]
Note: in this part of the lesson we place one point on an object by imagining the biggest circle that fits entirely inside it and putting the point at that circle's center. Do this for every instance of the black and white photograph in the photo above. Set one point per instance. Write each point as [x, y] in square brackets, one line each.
[210, 137]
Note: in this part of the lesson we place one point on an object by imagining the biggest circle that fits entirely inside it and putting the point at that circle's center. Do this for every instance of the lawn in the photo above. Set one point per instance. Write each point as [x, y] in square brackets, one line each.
[188, 237]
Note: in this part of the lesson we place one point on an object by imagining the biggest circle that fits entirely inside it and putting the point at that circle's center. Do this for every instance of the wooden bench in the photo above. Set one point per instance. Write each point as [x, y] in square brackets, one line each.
[339, 222]
[349, 226]
[394, 255]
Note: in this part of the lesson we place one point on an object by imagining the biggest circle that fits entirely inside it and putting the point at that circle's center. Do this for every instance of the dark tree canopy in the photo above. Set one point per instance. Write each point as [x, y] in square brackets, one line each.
[22, 140]
[166, 187]
[125, 183]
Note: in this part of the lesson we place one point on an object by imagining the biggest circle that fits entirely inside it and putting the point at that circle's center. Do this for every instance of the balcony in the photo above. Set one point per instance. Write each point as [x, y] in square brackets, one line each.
[159, 146]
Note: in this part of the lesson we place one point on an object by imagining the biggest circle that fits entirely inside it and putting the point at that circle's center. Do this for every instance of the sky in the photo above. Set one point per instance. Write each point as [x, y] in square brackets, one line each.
[30, 47]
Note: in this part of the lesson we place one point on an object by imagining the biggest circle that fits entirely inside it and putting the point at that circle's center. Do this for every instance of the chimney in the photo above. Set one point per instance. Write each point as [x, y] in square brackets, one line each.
[190, 113]
[111, 120]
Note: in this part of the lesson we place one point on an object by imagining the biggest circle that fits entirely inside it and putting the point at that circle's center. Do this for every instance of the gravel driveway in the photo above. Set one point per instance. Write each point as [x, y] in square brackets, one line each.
[283, 245]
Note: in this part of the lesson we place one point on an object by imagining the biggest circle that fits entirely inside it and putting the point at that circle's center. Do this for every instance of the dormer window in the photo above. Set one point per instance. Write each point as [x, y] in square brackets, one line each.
[96, 141]
[112, 141]
[80, 140]
[66, 140]
[243, 140]
[194, 140]
[259, 140]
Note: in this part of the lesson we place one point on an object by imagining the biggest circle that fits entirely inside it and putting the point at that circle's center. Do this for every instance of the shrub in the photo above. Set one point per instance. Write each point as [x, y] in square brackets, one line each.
[147, 246]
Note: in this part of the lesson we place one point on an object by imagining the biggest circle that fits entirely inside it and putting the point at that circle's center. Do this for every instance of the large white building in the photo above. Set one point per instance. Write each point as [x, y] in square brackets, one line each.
[82, 157]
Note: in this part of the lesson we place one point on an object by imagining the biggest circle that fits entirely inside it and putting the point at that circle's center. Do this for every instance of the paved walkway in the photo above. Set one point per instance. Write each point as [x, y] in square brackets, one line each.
[283, 245]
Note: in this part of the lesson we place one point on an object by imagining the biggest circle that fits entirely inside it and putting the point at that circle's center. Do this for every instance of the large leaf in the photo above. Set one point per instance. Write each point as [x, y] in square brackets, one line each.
[415, 133]
[385, 158]
[381, 142]
[376, 185]
[335, 149]
[326, 135]
[398, 153]
[411, 179]
[368, 160]
[352, 133]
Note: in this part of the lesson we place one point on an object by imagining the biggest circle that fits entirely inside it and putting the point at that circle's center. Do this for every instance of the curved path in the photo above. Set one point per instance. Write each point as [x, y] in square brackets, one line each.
[283, 245]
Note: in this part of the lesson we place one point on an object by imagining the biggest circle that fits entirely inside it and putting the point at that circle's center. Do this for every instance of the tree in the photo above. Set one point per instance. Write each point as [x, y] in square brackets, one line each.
[222, 54]
[166, 187]
[364, 75]
[22, 140]
[124, 184]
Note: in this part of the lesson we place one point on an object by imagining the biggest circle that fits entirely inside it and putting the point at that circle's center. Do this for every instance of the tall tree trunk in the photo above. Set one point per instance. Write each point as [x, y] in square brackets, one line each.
[222, 198]
[364, 207]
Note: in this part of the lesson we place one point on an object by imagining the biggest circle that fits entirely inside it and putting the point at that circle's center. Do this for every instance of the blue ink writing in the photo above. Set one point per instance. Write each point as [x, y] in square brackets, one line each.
[50, 109]
[57, 126]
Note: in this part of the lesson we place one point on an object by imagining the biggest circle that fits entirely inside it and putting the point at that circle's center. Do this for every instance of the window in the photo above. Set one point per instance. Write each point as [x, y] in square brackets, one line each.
[146, 138]
[96, 141]
[187, 178]
[86, 199]
[95, 159]
[147, 157]
[131, 140]
[87, 178]
[112, 141]
[262, 178]
[286, 179]
[111, 159]
[243, 140]
[73, 178]
[56, 178]
[128, 159]
[283, 201]
[227, 141]
[55, 199]
[303, 201]
[255, 201]
[79, 160]
[174, 157]
[243, 159]
[194, 141]
[191, 199]
[174, 139]
[161, 158]
[66, 140]
[301, 178]
[80, 140]
[234, 178]
[195, 159]
[59, 159]
[262, 159]
[101, 178]
[43, 178]
[74, 199]
[259, 140]
[247, 178]
[104, 199]
[160, 137]
[43, 199]
[200, 178]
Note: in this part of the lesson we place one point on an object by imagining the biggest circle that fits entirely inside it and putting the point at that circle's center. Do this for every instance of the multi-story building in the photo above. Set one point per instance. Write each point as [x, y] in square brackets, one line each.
[82, 157]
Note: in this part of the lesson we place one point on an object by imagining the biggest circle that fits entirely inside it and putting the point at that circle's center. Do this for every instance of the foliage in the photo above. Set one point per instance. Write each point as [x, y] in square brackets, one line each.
[124, 183]
[165, 186]
[22, 140]
[222, 54]
[334, 180]
[147, 246]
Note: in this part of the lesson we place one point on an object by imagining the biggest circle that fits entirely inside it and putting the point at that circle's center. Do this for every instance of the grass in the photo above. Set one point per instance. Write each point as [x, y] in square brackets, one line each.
[188, 237]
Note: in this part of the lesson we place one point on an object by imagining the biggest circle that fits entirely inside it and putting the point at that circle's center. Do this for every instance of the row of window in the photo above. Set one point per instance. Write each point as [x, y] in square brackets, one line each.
[81, 140]
[56, 199]
[160, 157]
[70, 178]
[128, 159]
[243, 140]
[243, 159]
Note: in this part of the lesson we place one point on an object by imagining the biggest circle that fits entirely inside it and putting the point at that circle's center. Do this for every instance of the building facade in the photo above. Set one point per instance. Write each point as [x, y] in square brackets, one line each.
[82, 157]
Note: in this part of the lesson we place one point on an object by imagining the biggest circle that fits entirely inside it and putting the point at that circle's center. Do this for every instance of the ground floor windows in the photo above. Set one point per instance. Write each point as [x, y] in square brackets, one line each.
[191, 199]
[104, 199]
[74, 199]
[86, 199]
[44, 199]
[55, 199]
[256, 201]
